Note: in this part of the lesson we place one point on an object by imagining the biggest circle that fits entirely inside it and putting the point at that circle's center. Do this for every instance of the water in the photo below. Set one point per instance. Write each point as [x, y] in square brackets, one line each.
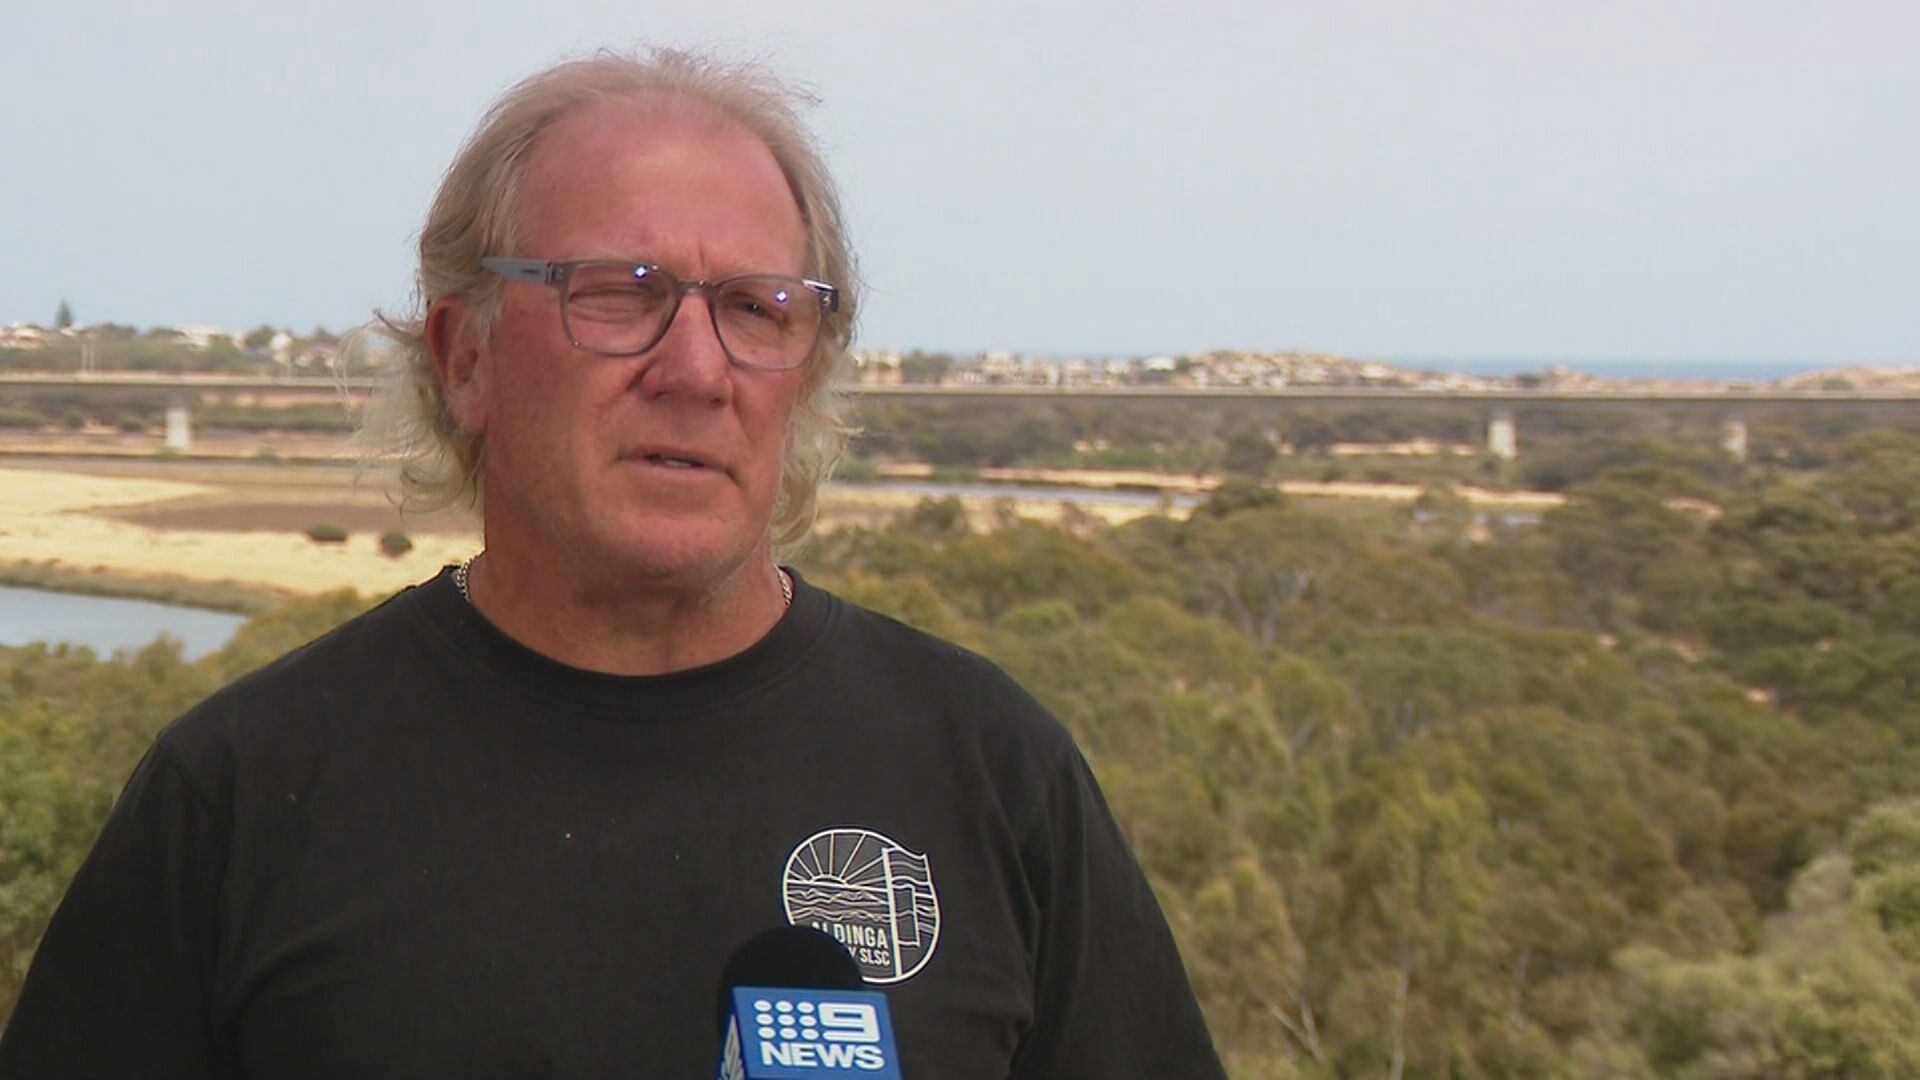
[107, 624]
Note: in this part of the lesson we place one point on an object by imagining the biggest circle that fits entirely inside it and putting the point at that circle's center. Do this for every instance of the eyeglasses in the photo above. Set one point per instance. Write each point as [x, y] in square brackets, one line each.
[768, 322]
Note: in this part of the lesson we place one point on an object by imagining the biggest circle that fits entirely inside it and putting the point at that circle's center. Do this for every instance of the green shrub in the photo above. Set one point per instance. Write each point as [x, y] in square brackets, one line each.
[326, 533]
[394, 543]
[856, 470]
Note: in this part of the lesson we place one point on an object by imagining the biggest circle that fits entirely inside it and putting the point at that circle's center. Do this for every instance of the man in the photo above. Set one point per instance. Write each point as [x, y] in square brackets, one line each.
[512, 822]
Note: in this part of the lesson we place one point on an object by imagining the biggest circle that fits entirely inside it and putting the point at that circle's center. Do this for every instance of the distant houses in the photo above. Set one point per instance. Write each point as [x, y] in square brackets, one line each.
[115, 344]
[24, 336]
[1219, 368]
[200, 338]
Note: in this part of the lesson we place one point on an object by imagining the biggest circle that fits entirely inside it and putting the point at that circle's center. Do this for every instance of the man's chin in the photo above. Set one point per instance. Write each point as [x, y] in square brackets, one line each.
[690, 554]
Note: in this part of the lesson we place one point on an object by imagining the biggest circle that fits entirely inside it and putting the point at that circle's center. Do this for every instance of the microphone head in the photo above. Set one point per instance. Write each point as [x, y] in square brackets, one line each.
[799, 957]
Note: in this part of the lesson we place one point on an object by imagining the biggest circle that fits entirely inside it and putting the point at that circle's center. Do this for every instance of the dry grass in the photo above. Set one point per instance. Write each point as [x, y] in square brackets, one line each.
[71, 523]
[846, 507]
[227, 528]
[1339, 489]
[210, 532]
[1096, 479]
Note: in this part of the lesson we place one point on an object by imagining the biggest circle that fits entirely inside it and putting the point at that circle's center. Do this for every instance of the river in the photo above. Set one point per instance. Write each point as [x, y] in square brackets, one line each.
[107, 624]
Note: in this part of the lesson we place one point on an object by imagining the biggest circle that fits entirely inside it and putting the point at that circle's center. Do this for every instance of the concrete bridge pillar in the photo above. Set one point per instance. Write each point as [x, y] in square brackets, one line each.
[1501, 439]
[1734, 439]
[179, 426]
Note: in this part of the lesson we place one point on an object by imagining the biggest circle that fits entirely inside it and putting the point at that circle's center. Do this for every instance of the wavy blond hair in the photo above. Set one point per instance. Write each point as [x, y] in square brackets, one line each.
[474, 214]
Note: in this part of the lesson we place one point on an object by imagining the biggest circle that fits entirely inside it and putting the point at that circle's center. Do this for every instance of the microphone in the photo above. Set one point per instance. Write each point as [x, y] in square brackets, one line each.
[793, 1007]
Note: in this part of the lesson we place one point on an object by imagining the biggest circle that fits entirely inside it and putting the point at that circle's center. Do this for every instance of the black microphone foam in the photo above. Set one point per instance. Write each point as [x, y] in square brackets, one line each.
[796, 957]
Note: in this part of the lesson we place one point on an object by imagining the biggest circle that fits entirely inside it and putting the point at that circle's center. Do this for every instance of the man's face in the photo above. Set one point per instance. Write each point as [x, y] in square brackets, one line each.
[585, 454]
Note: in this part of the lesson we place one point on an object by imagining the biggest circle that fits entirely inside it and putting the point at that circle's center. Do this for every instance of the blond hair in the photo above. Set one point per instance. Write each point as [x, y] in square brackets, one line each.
[474, 214]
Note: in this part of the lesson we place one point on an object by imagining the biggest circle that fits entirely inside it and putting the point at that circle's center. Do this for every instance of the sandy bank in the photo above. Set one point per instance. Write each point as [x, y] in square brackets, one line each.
[64, 520]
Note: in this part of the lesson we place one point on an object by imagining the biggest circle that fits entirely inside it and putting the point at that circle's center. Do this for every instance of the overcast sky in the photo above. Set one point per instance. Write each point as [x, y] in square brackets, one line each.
[1628, 180]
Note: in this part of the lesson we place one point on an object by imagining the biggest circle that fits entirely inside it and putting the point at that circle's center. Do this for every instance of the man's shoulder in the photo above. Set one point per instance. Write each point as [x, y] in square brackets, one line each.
[898, 648]
[390, 622]
[282, 701]
[895, 660]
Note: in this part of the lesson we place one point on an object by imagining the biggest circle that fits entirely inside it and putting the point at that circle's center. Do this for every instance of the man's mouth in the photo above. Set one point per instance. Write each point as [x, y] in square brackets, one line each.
[673, 462]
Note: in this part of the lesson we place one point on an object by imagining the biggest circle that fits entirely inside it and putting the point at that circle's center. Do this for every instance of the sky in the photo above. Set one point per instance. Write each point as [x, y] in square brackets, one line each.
[1700, 181]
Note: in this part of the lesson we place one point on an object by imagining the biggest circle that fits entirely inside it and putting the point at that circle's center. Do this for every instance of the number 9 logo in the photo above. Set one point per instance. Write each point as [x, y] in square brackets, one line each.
[845, 1021]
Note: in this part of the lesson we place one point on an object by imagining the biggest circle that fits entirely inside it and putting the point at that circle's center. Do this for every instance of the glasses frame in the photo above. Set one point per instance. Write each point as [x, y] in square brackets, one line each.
[558, 273]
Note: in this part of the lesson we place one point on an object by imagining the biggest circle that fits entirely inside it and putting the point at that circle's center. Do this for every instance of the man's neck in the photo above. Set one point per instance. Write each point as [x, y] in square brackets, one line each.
[625, 627]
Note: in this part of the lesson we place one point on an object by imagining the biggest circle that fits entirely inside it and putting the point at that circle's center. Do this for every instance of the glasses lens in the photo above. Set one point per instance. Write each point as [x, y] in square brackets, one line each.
[617, 307]
[767, 321]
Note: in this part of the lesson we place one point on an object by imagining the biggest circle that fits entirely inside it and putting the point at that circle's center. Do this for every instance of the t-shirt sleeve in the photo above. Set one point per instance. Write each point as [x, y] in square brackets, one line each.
[1112, 998]
[121, 983]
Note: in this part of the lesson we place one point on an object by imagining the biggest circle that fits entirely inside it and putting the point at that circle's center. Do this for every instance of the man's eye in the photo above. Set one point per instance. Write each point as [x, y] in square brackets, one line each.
[615, 292]
[748, 306]
[617, 298]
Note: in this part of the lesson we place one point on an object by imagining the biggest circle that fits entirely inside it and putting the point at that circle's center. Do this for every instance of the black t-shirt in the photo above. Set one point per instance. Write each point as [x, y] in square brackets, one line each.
[415, 848]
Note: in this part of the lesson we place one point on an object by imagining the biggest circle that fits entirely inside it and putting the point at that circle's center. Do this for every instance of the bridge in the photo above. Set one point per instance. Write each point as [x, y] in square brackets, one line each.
[1730, 403]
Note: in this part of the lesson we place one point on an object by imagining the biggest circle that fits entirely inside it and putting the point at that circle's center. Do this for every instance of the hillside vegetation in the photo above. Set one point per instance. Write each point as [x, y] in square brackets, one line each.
[1626, 793]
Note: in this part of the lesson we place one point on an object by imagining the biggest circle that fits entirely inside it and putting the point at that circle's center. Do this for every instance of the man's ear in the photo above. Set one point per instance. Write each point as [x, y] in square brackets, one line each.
[458, 363]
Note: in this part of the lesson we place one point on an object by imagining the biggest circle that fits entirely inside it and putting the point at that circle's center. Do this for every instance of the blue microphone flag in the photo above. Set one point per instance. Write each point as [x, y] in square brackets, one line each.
[789, 1034]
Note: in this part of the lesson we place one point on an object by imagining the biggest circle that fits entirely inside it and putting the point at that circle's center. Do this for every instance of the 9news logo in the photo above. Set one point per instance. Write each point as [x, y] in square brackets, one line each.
[801, 1034]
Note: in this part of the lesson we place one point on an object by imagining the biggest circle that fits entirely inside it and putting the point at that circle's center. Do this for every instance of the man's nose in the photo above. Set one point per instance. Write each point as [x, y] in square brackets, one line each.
[689, 359]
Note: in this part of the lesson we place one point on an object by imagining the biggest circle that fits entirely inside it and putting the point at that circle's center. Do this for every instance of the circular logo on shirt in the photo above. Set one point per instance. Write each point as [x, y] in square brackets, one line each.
[873, 895]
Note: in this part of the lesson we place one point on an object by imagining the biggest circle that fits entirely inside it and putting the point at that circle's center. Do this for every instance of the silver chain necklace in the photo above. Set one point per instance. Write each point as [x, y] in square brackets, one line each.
[466, 565]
